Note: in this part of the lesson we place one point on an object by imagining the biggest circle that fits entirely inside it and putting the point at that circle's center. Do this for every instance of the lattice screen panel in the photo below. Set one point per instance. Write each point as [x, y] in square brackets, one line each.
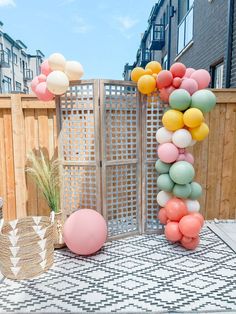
[121, 157]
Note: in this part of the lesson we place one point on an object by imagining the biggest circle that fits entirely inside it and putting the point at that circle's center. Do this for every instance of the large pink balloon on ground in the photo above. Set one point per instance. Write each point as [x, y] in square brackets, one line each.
[85, 231]
[43, 93]
[202, 77]
[167, 152]
[190, 85]
[45, 68]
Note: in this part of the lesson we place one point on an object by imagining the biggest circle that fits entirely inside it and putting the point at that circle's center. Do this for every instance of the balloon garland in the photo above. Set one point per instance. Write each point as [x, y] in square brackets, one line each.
[55, 77]
[183, 125]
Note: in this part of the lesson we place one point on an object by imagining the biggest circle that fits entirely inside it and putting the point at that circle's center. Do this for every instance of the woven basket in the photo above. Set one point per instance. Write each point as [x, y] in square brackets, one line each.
[27, 247]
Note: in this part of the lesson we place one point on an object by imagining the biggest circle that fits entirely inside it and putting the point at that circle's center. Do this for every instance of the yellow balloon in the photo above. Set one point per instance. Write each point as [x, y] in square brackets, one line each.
[193, 117]
[154, 75]
[146, 84]
[137, 73]
[154, 66]
[148, 71]
[200, 133]
[173, 120]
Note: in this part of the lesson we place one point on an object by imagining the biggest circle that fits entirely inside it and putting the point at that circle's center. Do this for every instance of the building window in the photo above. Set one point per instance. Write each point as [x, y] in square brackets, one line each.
[14, 58]
[164, 62]
[185, 27]
[6, 84]
[18, 87]
[8, 51]
[218, 75]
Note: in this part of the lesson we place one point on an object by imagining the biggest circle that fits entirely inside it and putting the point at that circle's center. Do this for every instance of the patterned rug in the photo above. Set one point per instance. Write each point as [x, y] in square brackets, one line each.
[139, 274]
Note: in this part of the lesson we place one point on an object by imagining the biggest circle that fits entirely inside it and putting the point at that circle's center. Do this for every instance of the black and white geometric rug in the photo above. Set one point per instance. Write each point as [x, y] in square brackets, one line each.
[139, 275]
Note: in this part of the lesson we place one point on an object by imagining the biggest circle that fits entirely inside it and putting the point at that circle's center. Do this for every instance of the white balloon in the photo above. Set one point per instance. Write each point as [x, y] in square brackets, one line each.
[57, 82]
[74, 70]
[192, 205]
[193, 142]
[163, 197]
[57, 62]
[182, 138]
[163, 135]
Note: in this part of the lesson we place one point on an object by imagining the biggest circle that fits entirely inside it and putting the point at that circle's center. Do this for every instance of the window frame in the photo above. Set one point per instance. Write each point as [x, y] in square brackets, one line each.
[15, 58]
[7, 81]
[213, 68]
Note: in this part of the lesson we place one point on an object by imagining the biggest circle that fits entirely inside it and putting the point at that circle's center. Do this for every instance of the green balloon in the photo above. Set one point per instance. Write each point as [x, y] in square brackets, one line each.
[203, 100]
[182, 172]
[180, 99]
[162, 167]
[165, 183]
[196, 191]
[183, 191]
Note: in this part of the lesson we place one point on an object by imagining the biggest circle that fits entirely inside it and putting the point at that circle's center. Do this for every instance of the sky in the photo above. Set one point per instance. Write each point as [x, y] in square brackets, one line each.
[101, 34]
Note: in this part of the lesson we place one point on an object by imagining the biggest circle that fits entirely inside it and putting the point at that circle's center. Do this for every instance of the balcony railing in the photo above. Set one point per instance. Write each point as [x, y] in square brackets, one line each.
[157, 41]
[4, 59]
[28, 75]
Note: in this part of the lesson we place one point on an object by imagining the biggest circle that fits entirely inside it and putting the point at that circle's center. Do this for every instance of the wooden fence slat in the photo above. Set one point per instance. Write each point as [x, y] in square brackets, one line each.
[3, 177]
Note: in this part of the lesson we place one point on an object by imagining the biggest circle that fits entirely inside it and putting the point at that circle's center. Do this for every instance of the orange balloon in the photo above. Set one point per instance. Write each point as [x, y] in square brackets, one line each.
[190, 226]
[198, 216]
[175, 209]
[148, 71]
[137, 73]
[154, 66]
[146, 84]
[162, 216]
[190, 245]
[172, 232]
[154, 75]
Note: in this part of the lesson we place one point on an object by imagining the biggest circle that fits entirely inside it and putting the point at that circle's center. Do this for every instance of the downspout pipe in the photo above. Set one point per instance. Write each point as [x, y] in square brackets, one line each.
[228, 59]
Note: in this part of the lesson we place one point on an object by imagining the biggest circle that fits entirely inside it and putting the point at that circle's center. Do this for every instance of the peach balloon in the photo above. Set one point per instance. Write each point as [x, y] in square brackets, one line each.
[178, 69]
[189, 85]
[42, 78]
[199, 217]
[191, 245]
[34, 83]
[177, 82]
[164, 79]
[175, 209]
[162, 216]
[189, 158]
[190, 226]
[165, 93]
[43, 93]
[45, 68]
[189, 72]
[85, 231]
[172, 232]
[202, 77]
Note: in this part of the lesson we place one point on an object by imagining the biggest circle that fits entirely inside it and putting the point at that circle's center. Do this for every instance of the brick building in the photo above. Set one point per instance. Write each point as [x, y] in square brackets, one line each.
[200, 33]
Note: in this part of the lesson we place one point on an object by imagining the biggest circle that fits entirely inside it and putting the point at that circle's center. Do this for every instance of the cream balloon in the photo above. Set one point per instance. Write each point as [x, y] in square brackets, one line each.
[182, 138]
[57, 62]
[74, 70]
[193, 206]
[163, 135]
[163, 197]
[57, 82]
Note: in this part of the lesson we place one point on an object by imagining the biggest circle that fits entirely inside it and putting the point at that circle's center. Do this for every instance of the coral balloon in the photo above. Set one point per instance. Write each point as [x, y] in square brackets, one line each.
[85, 231]
[182, 138]
[178, 69]
[163, 135]
[42, 78]
[34, 83]
[175, 209]
[166, 92]
[200, 133]
[190, 226]
[199, 217]
[173, 120]
[57, 62]
[189, 158]
[137, 73]
[163, 197]
[189, 72]
[43, 93]
[146, 84]
[190, 245]
[193, 117]
[164, 79]
[172, 232]
[177, 82]
[74, 70]
[45, 68]
[202, 77]
[189, 85]
[162, 216]
[167, 152]
[57, 82]
[154, 66]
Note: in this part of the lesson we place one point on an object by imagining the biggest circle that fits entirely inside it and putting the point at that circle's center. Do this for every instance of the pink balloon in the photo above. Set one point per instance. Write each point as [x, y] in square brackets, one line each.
[167, 152]
[45, 68]
[172, 231]
[164, 79]
[190, 226]
[190, 245]
[198, 216]
[166, 92]
[162, 216]
[178, 69]
[177, 82]
[43, 93]
[85, 231]
[189, 72]
[42, 78]
[34, 83]
[202, 77]
[189, 158]
[182, 150]
[181, 157]
[189, 85]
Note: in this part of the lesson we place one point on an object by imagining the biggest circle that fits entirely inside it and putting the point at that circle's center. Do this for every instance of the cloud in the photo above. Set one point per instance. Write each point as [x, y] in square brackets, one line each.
[80, 26]
[126, 22]
[7, 3]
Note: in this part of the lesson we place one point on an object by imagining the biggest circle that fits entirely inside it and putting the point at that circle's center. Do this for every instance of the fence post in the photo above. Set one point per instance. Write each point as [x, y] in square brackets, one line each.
[19, 154]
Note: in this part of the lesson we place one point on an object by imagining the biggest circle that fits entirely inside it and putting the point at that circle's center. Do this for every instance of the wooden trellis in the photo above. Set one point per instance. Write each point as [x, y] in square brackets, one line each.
[108, 151]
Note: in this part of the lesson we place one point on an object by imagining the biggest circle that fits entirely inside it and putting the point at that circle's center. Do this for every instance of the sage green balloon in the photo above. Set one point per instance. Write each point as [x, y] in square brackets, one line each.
[182, 172]
[182, 190]
[162, 167]
[203, 100]
[165, 183]
[180, 99]
[196, 191]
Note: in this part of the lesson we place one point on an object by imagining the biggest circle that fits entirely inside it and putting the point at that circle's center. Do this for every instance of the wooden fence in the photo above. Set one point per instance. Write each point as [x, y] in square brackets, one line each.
[28, 124]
